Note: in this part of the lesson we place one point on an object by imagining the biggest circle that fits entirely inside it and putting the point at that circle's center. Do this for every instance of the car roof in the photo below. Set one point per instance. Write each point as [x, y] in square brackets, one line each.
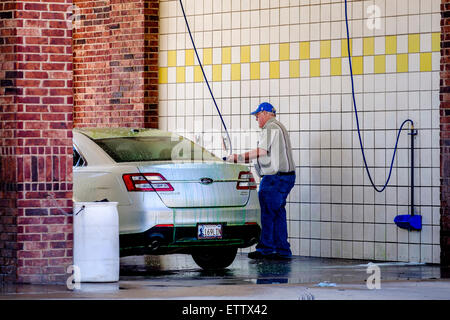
[102, 133]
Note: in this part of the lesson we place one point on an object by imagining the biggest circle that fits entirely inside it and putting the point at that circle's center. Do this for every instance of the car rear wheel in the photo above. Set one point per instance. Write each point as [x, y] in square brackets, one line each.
[214, 258]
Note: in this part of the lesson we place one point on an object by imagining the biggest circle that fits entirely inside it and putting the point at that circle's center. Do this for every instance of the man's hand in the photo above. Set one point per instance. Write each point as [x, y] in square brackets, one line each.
[232, 158]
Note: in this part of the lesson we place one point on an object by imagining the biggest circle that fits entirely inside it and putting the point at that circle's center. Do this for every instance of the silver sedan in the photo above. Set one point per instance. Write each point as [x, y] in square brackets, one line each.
[173, 195]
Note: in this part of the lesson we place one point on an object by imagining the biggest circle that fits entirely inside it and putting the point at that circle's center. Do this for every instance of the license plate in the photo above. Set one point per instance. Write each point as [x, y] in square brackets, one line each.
[209, 231]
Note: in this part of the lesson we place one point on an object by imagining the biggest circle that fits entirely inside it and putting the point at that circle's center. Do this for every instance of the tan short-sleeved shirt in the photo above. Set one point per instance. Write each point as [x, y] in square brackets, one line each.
[275, 139]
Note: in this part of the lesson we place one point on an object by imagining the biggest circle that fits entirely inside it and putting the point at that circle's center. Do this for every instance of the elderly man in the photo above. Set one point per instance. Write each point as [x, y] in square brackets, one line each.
[275, 164]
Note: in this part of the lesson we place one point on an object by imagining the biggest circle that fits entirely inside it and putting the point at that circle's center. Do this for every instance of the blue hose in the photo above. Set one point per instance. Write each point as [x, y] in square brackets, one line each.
[357, 120]
[204, 76]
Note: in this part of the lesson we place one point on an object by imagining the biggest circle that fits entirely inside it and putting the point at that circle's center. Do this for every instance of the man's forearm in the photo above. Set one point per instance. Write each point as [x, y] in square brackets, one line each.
[251, 155]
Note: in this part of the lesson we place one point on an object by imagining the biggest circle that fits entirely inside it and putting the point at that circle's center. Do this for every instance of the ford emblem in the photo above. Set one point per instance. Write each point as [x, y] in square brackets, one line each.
[206, 180]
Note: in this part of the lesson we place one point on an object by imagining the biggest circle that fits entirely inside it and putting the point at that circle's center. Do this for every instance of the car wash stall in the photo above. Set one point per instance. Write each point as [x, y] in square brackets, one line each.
[294, 54]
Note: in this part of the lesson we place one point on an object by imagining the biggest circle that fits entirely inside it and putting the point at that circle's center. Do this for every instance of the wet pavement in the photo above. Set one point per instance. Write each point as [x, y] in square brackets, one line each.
[304, 278]
[299, 270]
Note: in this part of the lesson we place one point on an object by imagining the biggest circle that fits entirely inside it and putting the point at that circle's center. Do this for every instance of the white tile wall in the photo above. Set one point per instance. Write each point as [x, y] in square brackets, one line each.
[333, 211]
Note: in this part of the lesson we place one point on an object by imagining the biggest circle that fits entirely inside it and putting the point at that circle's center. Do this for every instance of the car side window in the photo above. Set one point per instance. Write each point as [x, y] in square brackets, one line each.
[78, 160]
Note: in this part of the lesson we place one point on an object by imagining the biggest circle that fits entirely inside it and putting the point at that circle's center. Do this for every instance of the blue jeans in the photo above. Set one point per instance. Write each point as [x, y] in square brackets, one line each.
[273, 192]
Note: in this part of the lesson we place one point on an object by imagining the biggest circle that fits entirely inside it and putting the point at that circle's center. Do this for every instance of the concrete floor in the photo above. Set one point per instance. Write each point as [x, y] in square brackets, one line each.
[302, 278]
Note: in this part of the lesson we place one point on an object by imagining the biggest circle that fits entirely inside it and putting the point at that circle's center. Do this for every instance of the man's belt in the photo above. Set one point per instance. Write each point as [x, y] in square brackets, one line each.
[290, 173]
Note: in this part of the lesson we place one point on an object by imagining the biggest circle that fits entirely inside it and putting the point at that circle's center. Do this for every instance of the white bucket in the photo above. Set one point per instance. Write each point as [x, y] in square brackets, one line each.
[96, 242]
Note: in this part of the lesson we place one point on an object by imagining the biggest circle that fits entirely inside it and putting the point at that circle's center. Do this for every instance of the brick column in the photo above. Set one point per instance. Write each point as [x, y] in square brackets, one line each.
[8, 195]
[445, 132]
[151, 54]
[39, 140]
[116, 63]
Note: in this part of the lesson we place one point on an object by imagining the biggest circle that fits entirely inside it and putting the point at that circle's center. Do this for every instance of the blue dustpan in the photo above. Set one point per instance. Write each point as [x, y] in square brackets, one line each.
[409, 222]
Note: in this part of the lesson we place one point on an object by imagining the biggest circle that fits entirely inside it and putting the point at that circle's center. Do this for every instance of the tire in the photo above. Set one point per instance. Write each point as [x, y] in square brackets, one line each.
[214, 258]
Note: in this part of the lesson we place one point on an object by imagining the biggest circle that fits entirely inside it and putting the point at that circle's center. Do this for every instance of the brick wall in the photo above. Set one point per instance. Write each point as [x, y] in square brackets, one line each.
[116, 79]
[445, 132]
[8, 212]
[116, 63]
[40, 162]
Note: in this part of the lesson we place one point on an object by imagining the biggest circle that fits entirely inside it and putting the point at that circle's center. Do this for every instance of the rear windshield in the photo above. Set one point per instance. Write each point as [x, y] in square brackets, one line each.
[163, 148]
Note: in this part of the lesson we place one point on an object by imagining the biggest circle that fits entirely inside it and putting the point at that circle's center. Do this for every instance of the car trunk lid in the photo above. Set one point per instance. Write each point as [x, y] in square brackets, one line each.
[200, 184]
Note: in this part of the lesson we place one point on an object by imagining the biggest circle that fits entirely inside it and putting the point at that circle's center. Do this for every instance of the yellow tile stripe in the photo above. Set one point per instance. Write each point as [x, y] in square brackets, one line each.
[264, 53]
[217, 72]
[357, 65]
[189, 57]
[391, 45]
[413, 43]
[344, 47]
[274, 69]
[235, 71]
[402, 62]
[304, 50]
[368, 46]
[245, 54]
[284, 51]
[325, 49]
[425, 61]
[337, 64]
[198, 74]
[314, 68]
[380, 64]
[226, 55]
[163, 75]
[336, 67]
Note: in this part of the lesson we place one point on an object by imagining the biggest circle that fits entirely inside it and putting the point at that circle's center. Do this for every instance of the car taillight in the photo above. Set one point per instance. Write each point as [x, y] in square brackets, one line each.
[248, 184]
[136, 182]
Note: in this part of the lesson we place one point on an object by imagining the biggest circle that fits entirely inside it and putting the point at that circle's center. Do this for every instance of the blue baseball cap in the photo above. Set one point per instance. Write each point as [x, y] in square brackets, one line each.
[265, 106]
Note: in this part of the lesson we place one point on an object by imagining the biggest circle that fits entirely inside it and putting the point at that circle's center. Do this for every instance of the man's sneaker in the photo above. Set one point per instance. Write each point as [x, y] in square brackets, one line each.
[256, 255]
